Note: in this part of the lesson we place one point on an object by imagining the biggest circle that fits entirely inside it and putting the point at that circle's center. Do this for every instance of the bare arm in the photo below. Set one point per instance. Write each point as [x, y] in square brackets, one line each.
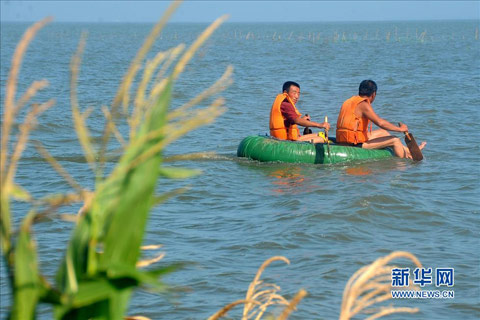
[306, 122]
[367, 111]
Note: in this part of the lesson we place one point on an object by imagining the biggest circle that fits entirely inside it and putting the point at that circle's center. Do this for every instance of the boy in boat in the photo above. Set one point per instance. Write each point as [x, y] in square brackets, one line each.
[284, 117]
[354, 117]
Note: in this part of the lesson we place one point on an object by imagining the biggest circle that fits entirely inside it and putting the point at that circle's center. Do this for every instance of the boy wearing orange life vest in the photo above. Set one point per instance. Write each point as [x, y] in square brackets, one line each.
[355, 116]
[284, 116]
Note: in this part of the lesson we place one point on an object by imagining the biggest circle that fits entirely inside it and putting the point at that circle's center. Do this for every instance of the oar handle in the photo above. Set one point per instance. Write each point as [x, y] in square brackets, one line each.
[326, 131]
[326, 137]
[406, 132]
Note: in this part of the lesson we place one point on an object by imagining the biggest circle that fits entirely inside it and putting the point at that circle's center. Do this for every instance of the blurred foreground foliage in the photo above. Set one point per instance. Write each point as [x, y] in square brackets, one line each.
[101, 265]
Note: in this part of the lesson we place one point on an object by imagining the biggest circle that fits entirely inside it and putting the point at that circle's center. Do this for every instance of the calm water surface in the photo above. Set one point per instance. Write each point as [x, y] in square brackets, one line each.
[328, 220]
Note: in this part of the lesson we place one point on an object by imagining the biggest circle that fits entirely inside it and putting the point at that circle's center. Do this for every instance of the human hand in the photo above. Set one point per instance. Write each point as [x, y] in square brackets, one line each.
[403, 127]
[326, 125]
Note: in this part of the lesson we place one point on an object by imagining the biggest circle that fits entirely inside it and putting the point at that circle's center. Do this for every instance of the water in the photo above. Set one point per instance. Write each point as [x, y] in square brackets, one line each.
[328, 220]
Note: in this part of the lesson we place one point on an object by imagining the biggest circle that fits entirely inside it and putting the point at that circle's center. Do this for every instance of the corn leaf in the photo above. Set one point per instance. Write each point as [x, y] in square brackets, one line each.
[49, 294]
[117, 219]
[93, 299]
[135, 199]
[167, 195]
[5, 226]
[136, 192]
[27, 286]
[97, 311]
[178, 173]
[74, 265]
[18, 193]
[122, 275]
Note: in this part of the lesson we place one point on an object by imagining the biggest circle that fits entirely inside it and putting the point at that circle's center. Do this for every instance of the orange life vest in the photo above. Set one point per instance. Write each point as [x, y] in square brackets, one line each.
[277, 120]
[351, 128]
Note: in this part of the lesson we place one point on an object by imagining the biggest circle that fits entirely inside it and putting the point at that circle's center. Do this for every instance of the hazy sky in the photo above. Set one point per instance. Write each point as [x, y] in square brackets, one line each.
[240, 11]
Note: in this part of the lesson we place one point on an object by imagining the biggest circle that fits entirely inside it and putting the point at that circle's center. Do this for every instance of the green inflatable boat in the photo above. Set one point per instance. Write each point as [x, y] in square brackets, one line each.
[268, 149]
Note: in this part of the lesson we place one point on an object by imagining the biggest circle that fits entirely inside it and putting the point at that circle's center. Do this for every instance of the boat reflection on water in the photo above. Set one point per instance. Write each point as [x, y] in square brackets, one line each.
[288, 178]
[358, 171]
[291, 179]
[306, 178]
[376, 167]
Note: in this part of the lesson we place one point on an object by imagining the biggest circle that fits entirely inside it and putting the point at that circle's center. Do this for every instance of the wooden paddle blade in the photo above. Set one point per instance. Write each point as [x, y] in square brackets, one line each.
[413, 147]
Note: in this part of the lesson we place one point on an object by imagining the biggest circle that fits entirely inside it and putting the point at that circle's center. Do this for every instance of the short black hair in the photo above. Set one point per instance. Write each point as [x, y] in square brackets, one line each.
[367, 88]
[288, 84]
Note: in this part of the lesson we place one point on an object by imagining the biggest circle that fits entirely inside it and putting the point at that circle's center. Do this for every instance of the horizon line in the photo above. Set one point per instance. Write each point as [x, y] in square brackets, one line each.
[229, 22]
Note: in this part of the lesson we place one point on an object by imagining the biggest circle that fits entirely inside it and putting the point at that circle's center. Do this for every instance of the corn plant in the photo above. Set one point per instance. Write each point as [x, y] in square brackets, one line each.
[100, 268]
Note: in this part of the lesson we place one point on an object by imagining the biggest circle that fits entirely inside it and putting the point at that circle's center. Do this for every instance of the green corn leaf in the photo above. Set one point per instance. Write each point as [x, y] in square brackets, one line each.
[75, 263]
[95, 311]
[18, 193]
[92, 291]
[178, 173]
[27, 285]
[119, 299]
[5, 227]
[121, 275]
[118, 218]
[166, 270]
[49, 294]
[91, 301]
[125, 232]
[167, 195]
[127, 223]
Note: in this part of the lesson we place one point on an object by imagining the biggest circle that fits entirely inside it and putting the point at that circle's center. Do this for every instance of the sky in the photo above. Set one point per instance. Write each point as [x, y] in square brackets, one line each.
[240, 11]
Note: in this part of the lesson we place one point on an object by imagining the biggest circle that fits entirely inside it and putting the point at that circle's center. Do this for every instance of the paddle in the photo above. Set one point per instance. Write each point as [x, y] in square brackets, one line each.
[326, 137]
[412, 146]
